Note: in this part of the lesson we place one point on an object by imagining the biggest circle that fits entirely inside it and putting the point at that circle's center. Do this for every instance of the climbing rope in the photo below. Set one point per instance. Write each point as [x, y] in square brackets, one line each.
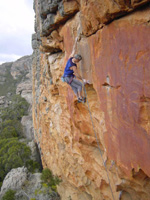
[97, 140]
[79, 36]
[116, 3]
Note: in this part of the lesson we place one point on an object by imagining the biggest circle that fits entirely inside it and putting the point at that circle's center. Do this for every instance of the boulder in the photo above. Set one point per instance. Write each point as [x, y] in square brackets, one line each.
[25, 90]
[27, 123]
[21, 67]
[27, 186]
[14, 180]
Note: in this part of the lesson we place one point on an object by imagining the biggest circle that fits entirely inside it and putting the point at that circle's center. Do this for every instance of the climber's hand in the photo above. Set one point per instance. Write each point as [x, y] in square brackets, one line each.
[85, 81]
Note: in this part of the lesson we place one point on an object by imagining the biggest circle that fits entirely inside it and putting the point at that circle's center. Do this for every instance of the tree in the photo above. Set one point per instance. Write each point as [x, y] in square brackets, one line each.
[16, 110]
[16, 124]
[13, 154]
[48, 178]
[8, 132]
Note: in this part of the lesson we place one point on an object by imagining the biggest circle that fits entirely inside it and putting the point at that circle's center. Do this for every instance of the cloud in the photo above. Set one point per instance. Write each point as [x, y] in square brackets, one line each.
[16, 27]
[8, 57]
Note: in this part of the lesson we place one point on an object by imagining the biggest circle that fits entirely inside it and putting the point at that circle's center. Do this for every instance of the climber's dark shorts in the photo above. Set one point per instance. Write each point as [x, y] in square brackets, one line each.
[75, 84]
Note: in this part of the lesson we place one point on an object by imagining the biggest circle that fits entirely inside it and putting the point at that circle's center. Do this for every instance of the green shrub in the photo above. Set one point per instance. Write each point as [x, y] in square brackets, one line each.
[8, 132]
[45, 185]
[16, 124]
[48, 178]
[16, 110]
[9, 195]
[37, 191]
[13, 154]
[32, 165]
[10, 83]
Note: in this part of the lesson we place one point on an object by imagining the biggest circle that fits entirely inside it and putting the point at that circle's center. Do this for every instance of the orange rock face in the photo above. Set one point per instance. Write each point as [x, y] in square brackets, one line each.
[116, 59]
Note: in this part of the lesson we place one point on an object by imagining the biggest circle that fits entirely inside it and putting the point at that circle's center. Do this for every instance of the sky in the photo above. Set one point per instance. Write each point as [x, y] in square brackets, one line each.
[16, 29]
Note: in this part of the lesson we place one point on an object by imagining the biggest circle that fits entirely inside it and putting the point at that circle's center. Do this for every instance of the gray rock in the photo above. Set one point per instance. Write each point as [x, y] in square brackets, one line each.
[36, 41]
[48, 6]
[9, 94]
[48, 11]
[34, 153]
[4, 67]
[21, 196]
[48, 24]
[27, 123]
[44, 9]
[25, 90]
[35, 189]
[27, 186]
[61, 9]
[21, 67]
[2, 80]
[14, 179]
[2, 100]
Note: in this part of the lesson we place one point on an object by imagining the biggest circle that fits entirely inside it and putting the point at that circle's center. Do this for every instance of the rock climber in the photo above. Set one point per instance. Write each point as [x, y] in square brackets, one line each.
[71, 73]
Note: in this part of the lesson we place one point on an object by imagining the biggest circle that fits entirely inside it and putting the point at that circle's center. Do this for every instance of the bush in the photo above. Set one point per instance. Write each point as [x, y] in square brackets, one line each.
[16, 124]
[8, 132]
[10, 84]
[13, 154]
[48, 178]
[16, 110]
[32, 166]
[9, 195]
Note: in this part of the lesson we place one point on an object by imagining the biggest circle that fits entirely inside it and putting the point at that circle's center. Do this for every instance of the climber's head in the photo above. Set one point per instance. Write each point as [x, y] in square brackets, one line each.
[77, 58]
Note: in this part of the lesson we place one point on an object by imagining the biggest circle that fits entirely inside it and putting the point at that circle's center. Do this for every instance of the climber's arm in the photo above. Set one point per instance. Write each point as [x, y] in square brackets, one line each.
[74, 68]
[74, 48]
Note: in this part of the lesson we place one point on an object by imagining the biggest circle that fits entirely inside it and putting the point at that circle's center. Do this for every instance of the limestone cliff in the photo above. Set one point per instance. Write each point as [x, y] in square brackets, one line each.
[115, 45]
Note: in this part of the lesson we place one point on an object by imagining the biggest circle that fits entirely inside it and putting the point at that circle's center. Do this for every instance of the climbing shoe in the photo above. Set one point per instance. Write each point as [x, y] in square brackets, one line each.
[79, 100]
[83, 100]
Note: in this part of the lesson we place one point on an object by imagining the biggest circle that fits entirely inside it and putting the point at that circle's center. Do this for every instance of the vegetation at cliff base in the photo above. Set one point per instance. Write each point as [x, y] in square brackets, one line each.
[11, 117]
[10, 128]
[49, 179]
[16, 110]
[13, 153]
[9, 195]
[10, 84]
